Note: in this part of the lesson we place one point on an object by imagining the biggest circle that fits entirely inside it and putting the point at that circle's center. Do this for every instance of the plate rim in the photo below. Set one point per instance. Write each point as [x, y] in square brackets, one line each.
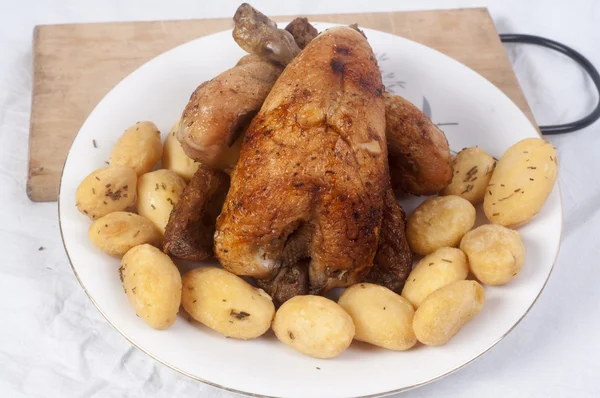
[250, 394]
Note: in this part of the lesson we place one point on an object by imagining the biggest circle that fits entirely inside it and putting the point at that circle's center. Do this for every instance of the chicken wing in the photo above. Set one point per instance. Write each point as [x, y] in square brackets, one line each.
[220, 109]
[312, 176]
[191, 226]
[257, 34]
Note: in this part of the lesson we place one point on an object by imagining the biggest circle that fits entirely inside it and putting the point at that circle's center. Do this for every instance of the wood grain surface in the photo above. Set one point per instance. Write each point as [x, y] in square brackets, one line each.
[74, 66]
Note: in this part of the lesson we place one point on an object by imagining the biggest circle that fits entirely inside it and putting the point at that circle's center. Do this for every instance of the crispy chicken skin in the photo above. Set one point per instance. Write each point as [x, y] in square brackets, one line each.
[419, 157]
[191, 226]
[312, 174]
[220, 109]
[393, 261]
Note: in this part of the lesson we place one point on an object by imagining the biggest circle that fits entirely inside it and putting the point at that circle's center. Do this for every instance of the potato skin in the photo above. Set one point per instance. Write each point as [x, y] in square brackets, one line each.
[139, 148]
[473, 169]
[444, 312]
[106, 190]
[439, 222]
[174, 157]
[226, 303]
[496, 254]
[158, 192]
[380, 316]
[153, 285]
[523, 180]
[314, 326]
[116, 233]
[440, 268]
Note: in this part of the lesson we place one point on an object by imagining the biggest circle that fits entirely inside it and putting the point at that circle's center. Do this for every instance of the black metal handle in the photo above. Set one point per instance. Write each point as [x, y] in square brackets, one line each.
[575, 56]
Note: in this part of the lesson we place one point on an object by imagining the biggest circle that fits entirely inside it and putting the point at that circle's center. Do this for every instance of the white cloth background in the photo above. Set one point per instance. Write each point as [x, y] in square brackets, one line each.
[54, 343]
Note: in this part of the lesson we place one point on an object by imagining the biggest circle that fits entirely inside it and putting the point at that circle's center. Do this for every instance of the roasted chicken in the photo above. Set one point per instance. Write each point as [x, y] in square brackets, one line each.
[312, 180]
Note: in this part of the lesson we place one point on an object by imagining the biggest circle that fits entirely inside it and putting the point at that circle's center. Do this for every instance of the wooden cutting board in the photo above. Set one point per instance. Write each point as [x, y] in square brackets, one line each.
[74, 66]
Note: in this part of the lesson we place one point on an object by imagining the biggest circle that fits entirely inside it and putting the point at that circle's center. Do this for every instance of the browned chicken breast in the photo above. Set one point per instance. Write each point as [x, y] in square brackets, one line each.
[191, 226]
[220, 109]
[312, 176]
[419, 157]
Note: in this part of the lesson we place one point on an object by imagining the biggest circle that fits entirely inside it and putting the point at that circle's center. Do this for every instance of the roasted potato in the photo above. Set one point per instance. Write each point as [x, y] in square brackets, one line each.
[174, 158]
[521, 183]
[496, 254]
[158, 192]
[472, 172]
[444, 312]
[116, 233]
[314, 325]
[106, 190]
[226, 303]
[139, 148]
[439, 222]
[380, 316]
[153, 285]
[440, 268]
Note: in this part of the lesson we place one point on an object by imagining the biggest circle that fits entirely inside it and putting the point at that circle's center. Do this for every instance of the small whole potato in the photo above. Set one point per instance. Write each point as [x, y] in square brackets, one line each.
[174, 158]
[496, 254]
[523, 180]
[444, 312]
[139, 148]
[440, 268]
[314, 325]
[380, 316]
[116, 233]
[158, 192]
[153, 285]
[226, 303]
[439, 222]
[473, 169]
[106, 190]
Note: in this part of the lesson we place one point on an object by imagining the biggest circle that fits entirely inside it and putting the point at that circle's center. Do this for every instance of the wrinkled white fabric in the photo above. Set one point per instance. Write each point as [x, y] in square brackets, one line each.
[54, 343]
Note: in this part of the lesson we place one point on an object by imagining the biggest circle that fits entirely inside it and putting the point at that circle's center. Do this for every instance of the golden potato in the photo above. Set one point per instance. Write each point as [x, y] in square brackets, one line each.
[380, 316]
[521, 183]
[139, 148]
[226, 303]
[444, 312]
[439, 222]
[496, 254]
[174, 158]
[314, 325]
[440, 268]
[117, 232]
[158, 192]
[153, 285]
[106, 190]
[473, 169]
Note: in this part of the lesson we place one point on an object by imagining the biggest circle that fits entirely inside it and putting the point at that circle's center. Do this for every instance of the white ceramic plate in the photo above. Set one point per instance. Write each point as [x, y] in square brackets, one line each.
[478, 113]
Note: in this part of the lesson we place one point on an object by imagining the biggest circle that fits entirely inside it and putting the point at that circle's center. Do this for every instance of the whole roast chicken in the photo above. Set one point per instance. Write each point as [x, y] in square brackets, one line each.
[310, 206]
